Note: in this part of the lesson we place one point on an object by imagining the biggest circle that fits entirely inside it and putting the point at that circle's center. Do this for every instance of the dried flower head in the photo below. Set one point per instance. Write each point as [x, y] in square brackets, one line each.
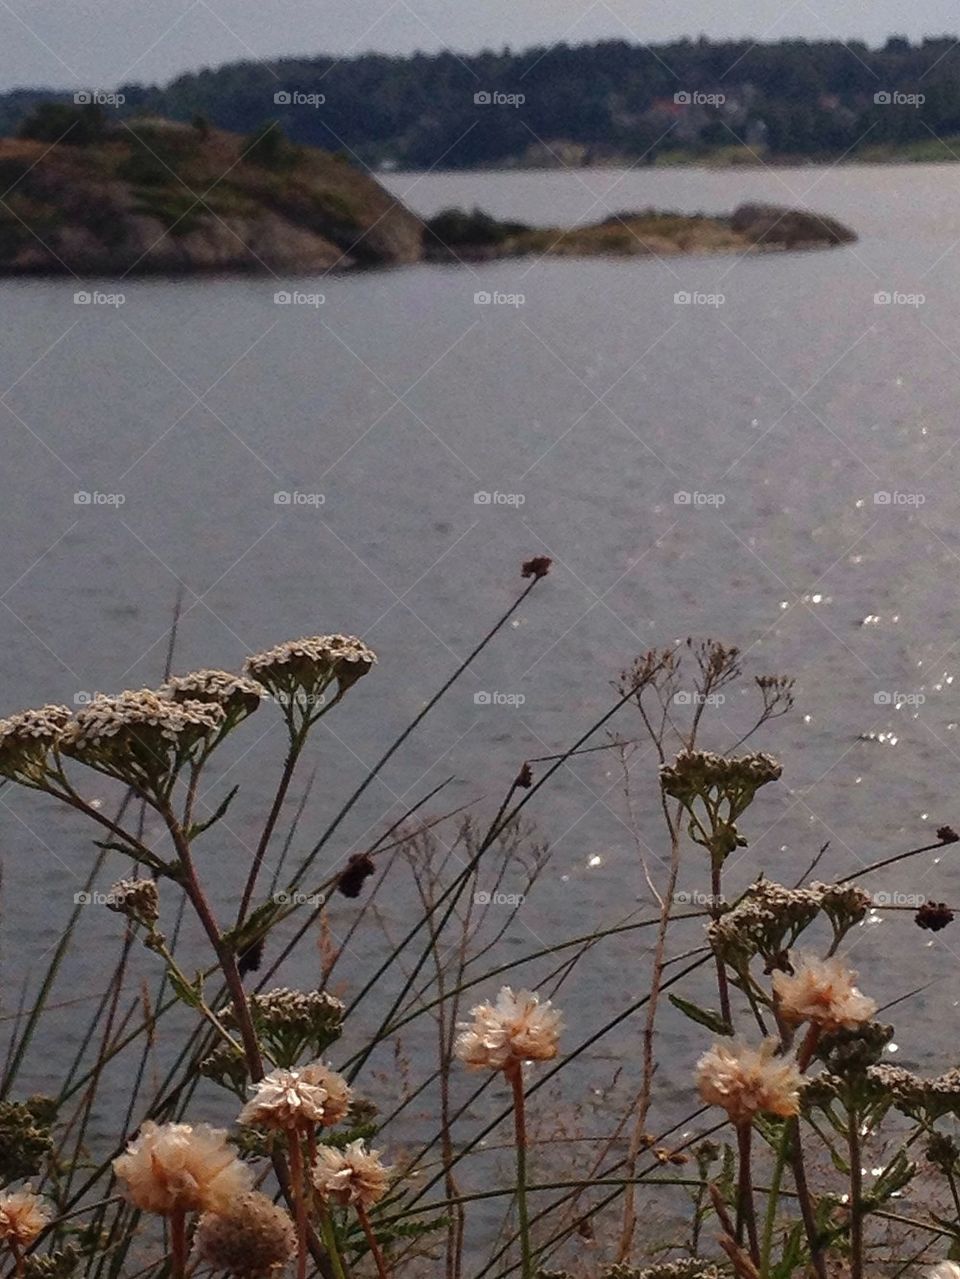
[182, 1168]
[239, 697]
[749, 1081]
[686, 1268]
[947, 835]
[353, 1175]
[305, 1097]
[293, 1023]
[26, 741]
[934, 916]
[25, 1140]
[23, 1216]
[766, 921]
[822, 991]
[696, 774]
[945, 1270]
[844, 904]
[298, 672]
[517, 1028]
[254, 1239]
[140, 737]
[354, 875]
[138, 899]
[537, 567]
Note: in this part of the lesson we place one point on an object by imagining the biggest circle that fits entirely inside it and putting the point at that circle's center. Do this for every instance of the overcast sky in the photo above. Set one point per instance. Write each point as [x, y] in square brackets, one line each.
[100, 43]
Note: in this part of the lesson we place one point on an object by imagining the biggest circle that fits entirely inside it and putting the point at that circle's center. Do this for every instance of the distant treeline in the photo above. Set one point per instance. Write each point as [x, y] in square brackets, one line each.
[579, 104]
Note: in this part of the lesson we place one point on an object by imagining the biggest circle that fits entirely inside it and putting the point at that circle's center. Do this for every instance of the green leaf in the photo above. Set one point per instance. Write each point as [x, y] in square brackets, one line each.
[702, 1016]
[200, 827]
[190, 992]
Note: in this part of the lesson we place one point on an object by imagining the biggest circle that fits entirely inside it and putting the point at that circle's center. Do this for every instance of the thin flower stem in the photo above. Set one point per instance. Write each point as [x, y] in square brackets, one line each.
[515, 1076]
[289, 768]
[745, 1210]
[773, 1200]
[299, 1200]
[806, 1206]
[178, 1243]
[329, 1235]
[372, 1241]
[856, 1194]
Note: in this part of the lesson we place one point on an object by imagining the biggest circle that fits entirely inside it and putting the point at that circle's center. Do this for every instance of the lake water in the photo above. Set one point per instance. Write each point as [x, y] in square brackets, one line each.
[583, 398]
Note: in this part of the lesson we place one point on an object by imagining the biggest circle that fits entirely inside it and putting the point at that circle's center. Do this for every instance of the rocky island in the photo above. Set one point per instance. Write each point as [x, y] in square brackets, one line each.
[156, 197]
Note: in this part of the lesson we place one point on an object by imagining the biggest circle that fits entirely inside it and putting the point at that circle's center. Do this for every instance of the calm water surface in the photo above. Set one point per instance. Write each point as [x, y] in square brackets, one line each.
[584, 409]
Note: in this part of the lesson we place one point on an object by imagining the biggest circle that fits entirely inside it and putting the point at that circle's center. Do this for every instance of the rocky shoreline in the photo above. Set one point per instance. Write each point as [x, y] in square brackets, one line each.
[157, 198]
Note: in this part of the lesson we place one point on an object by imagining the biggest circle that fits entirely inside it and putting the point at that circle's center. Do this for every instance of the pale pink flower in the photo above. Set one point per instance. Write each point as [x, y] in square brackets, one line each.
[517, 1028]
[353, 1175]
[749, 1081]
[304, 1097]
[822, 991]
[182, 1168]
[23, 1216]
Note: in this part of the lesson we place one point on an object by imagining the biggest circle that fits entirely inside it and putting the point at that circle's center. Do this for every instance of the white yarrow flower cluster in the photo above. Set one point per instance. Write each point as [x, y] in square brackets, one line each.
[238, 696]
[139, 736]
[26, 740]
[298, 671]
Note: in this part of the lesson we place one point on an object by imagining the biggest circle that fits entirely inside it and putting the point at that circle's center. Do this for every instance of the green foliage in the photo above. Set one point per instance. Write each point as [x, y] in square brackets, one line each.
[75, 126]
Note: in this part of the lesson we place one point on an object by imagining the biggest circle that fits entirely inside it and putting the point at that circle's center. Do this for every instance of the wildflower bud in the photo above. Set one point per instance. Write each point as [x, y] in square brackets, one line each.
[947, 835]
[943, 1152]
[254, 1239]
[138, 899]
[524, 779]
[933, 916]
[25, 1140]
[358, 869]
[537, 567]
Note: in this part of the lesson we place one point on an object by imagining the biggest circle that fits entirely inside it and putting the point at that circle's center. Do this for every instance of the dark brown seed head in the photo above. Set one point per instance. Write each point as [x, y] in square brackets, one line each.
[358, 869]
[947, 835]
[524, 779]
[539, 566]
[933, 916]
